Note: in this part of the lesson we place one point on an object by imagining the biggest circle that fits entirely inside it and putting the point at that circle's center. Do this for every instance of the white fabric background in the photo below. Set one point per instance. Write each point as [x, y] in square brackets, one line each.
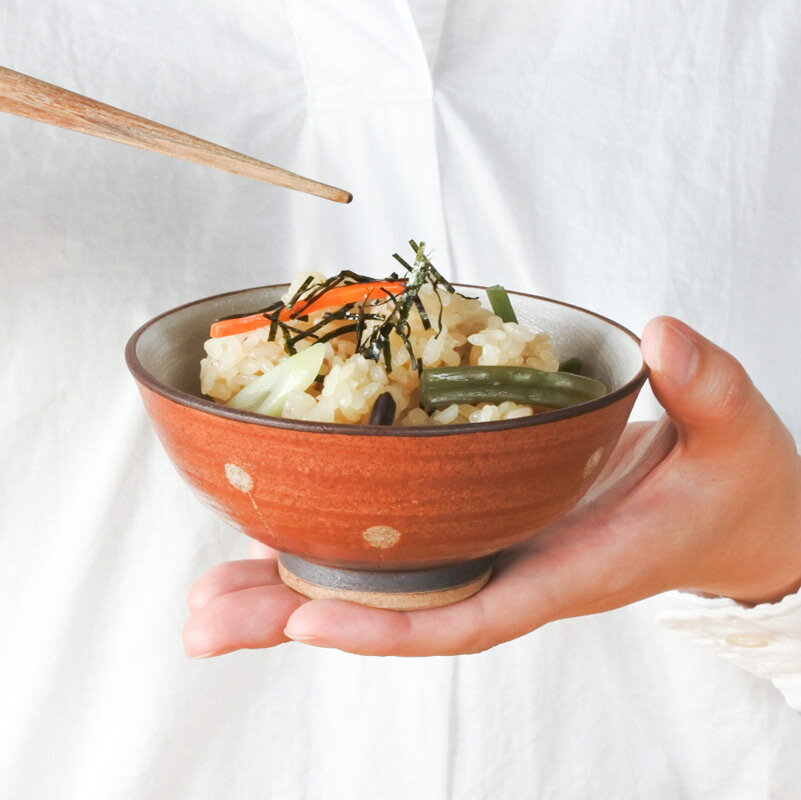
[634, 158]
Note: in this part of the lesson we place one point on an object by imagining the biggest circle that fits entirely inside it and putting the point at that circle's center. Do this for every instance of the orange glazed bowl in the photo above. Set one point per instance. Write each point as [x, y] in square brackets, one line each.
[393, 516]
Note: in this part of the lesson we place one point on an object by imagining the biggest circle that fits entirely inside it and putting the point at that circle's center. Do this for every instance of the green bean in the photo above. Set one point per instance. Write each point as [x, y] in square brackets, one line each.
[443, 386]
[573, 365]
[501, 304]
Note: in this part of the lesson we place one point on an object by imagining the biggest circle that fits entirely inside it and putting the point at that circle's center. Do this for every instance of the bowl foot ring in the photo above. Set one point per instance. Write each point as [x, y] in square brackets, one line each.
[400, 591]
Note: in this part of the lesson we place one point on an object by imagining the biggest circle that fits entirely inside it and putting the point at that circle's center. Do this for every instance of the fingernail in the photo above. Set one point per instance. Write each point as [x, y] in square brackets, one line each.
[307, 638]
[676, 357]
[204, 655]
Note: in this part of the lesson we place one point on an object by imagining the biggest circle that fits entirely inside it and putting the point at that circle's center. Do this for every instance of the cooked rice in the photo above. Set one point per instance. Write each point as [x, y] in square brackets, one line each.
[470, 334]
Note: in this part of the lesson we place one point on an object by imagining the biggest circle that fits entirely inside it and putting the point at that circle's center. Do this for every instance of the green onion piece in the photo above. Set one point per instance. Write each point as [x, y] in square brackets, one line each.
[443, 386]
[501, 304]
[573, 365]
[268, 393]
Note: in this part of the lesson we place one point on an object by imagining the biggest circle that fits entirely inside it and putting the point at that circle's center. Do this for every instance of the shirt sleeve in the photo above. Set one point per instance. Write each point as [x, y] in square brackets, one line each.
[763, 639]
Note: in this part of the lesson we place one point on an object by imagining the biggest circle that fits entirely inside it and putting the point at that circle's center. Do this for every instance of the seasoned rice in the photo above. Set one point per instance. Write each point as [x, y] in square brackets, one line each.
[470, 334]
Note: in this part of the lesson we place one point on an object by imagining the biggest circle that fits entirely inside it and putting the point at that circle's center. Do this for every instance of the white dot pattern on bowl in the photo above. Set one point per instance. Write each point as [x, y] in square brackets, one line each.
[238, 478]
[381, 536]
[593, 461]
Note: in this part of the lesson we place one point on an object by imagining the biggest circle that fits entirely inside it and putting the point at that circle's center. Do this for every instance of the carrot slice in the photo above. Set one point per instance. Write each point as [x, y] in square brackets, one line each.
[229, 327]
[349, 293]
[338, 296]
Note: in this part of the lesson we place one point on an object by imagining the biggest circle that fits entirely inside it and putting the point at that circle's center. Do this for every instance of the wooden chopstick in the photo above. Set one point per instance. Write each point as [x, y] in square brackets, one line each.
[29, 97]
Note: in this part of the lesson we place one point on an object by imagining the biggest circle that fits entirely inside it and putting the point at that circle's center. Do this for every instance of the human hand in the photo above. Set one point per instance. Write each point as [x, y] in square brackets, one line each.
[719, 514]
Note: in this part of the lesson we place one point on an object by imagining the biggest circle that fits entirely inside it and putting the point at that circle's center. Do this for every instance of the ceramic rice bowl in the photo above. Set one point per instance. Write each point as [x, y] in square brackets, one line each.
[398, 517]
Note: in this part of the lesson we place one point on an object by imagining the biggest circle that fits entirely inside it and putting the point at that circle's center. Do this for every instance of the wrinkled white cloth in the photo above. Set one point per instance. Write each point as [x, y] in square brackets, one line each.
[765, 639]
[633, 158]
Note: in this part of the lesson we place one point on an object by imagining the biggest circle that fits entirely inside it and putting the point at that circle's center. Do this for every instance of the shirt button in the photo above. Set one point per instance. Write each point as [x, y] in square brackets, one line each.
[747, 640]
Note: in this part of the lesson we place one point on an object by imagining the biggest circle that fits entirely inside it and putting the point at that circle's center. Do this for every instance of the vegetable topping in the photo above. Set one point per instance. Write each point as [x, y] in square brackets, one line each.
[573, 365]
[268, 393]
[338, 296]
[501, 304]
[444, 386]
[356, 299]
[364, 319]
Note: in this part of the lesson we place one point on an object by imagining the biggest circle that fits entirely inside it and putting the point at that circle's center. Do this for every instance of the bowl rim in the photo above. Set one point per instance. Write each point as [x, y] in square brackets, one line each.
[202, 404]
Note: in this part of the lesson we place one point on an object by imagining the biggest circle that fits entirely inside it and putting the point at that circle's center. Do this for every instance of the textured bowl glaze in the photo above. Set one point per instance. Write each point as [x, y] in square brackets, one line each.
[385, 498]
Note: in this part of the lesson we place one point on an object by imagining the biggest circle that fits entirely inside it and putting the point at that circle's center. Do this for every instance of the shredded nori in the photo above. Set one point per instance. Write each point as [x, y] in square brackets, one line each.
[390, 311]
[341, 331]
[340, 313]
[421, 310]
[319, 290]
[301, 289]
[377, 344]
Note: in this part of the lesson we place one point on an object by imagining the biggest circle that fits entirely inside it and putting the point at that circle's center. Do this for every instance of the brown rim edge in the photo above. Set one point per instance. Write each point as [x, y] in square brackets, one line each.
[351, 429]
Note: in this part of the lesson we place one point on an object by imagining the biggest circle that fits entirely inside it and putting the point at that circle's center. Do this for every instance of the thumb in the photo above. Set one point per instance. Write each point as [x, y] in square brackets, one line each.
[705, 391]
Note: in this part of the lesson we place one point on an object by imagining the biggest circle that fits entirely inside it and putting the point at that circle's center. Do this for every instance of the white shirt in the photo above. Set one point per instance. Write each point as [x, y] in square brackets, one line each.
[635, 159]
